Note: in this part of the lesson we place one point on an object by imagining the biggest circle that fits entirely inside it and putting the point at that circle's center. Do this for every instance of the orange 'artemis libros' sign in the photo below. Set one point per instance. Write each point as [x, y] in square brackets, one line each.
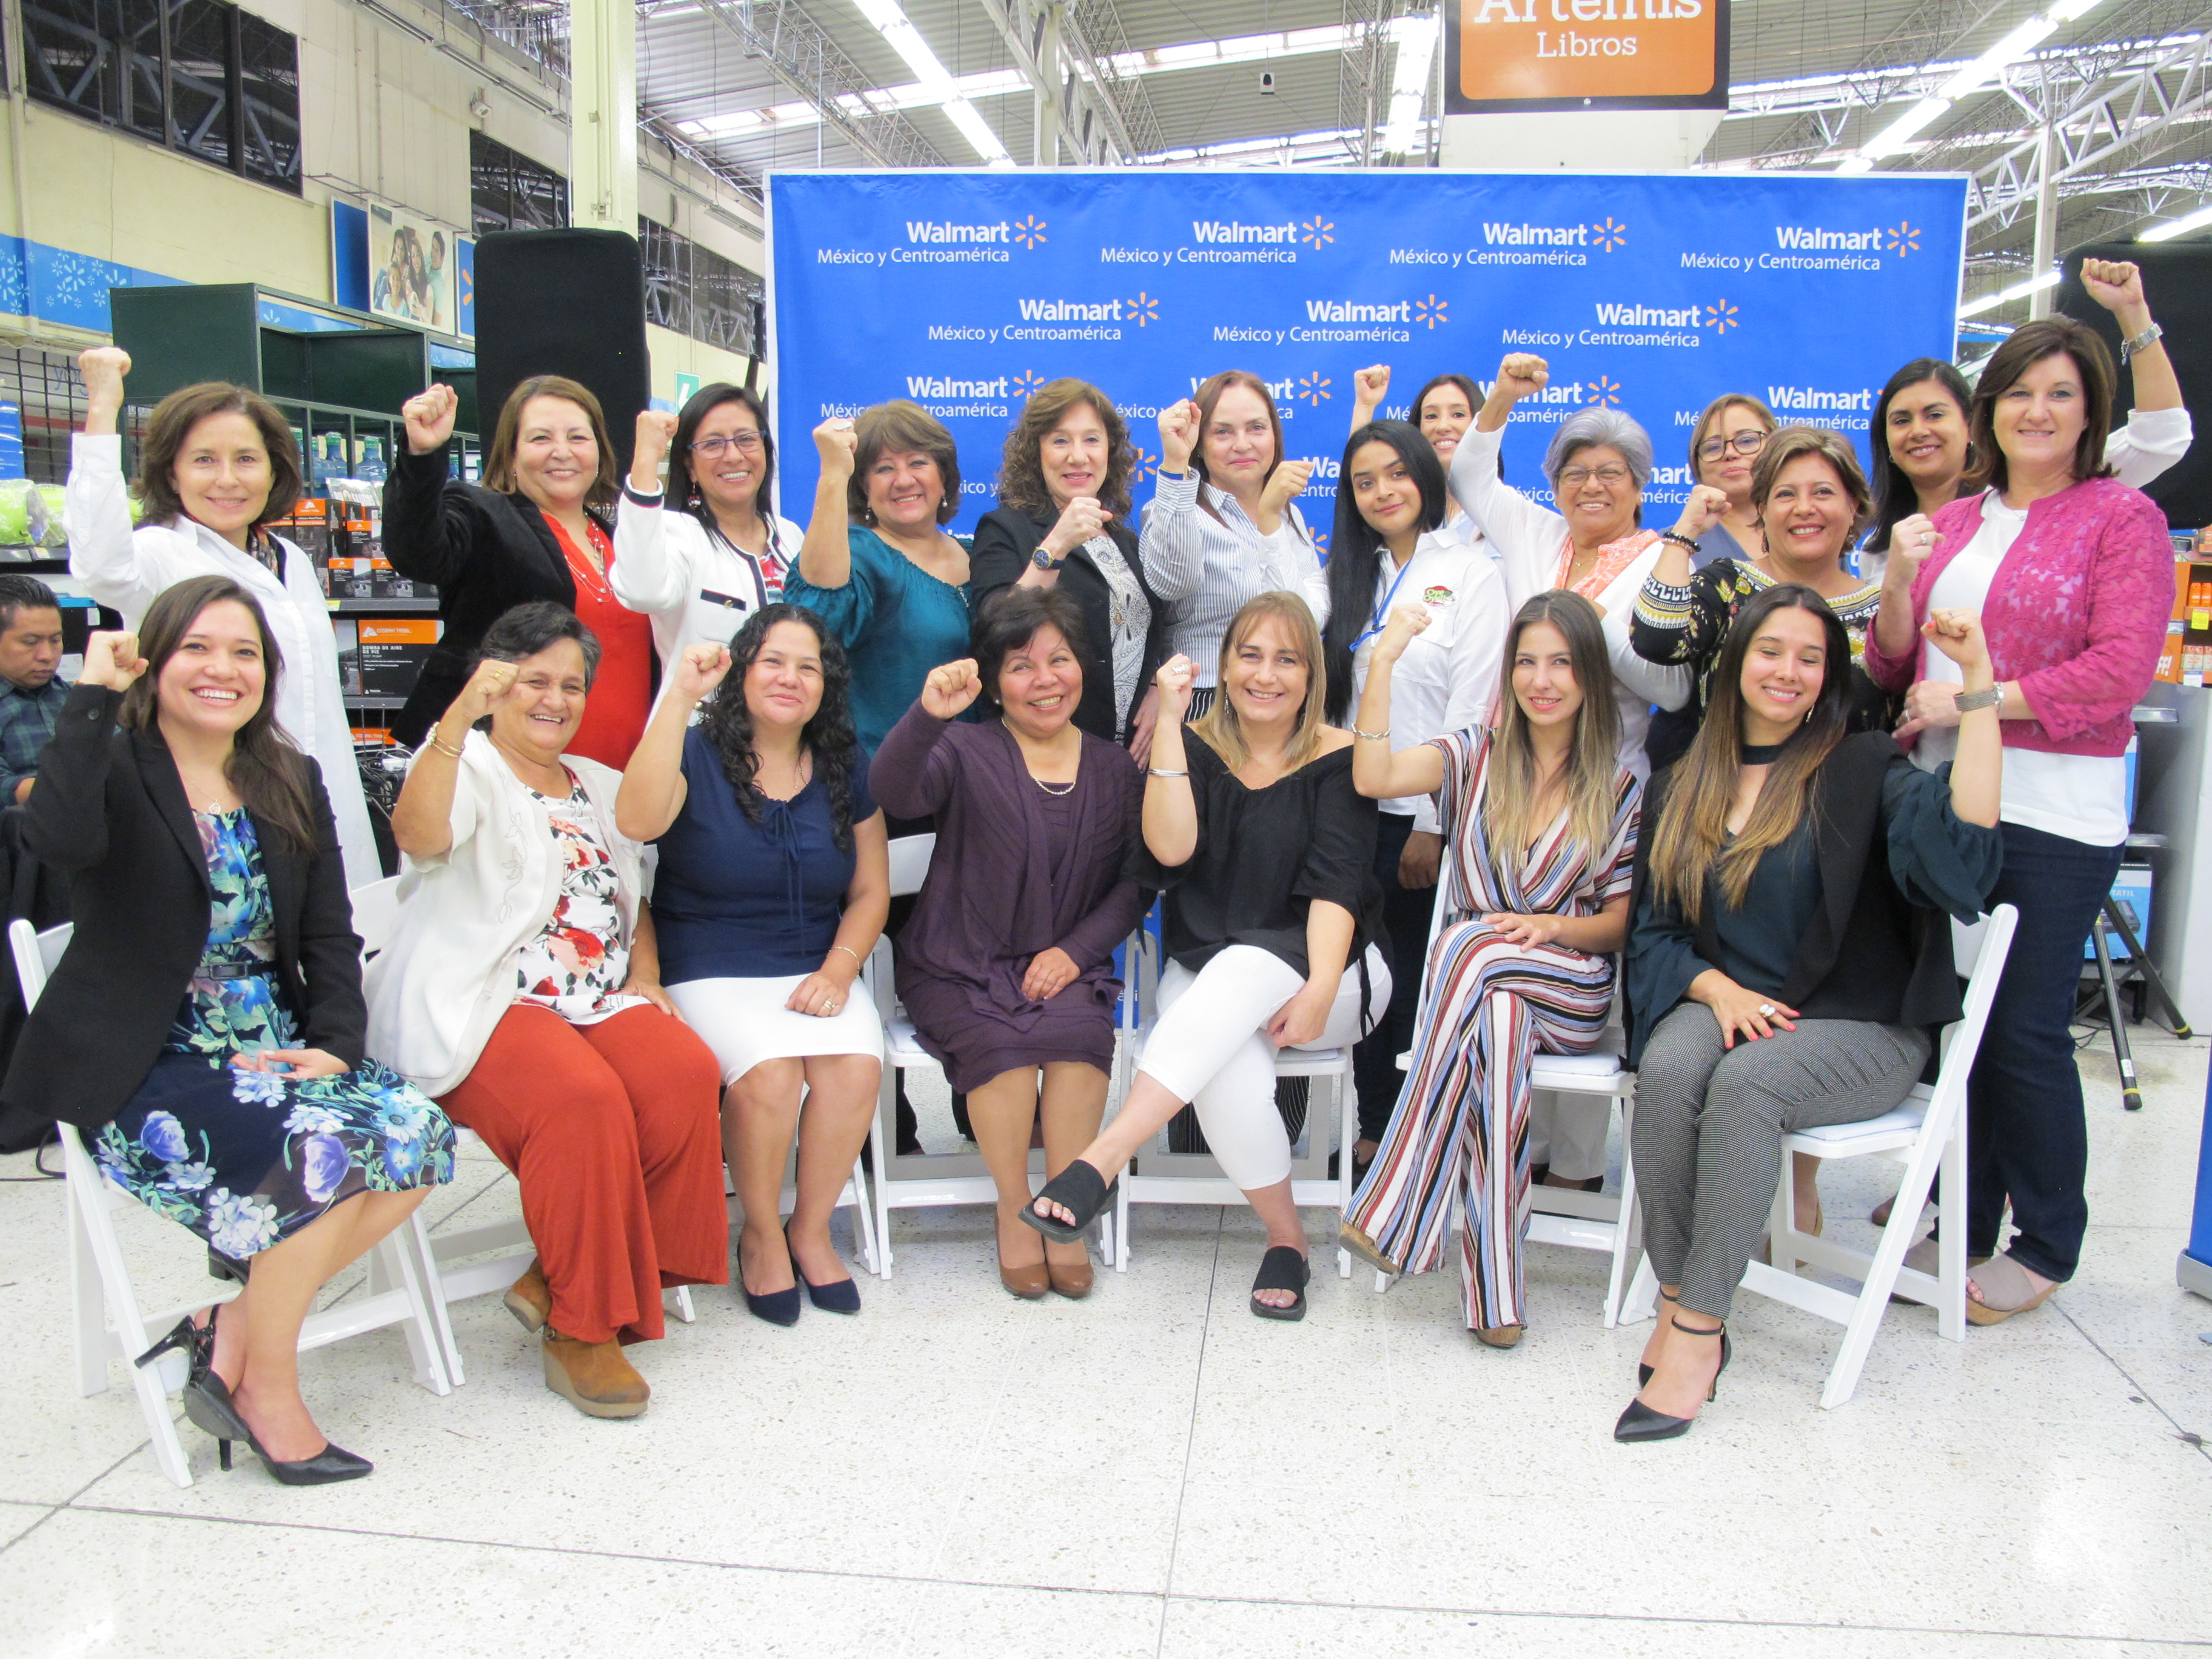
[1586, 54]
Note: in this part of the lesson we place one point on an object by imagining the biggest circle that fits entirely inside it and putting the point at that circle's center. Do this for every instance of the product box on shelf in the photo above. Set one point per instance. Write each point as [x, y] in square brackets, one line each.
[392, 651]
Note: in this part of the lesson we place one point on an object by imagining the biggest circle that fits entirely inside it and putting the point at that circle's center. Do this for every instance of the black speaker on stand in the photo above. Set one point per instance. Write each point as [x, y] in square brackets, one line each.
[563, 302]
[2177, 282]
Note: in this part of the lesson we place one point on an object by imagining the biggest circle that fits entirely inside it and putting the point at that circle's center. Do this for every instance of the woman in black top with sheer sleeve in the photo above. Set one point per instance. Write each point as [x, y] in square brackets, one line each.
[1274, 921]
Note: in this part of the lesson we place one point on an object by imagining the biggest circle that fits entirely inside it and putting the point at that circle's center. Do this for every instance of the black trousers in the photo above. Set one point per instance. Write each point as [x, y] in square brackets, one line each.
[1406, 910]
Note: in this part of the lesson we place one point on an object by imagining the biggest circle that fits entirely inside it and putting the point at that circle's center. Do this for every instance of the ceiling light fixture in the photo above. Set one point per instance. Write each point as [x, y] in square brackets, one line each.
[891, 21]
[1416, 39]
[2181, 226]
[2006, 296]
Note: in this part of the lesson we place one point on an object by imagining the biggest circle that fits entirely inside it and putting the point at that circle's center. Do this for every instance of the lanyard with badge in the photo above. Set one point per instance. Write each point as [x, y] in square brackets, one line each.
[1382, 617]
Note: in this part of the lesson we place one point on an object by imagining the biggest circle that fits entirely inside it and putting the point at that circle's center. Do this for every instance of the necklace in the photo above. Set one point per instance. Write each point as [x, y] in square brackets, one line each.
[1760, 754]
[1055, 788]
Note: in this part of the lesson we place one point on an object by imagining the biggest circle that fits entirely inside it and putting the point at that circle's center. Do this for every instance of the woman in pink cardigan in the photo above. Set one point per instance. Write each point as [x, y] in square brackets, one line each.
[2073, 575]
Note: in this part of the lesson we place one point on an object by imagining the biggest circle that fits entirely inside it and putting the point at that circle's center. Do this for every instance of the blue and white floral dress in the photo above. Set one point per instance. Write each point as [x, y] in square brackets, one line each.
[246, 1158]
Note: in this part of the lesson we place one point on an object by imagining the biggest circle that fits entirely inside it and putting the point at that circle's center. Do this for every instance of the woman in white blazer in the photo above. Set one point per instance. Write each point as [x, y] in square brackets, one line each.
[1598, 463]
[705, 556]
[217, 464]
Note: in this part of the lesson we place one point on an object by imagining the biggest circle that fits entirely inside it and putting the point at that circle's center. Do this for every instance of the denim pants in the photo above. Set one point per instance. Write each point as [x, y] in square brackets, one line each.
[2027, 1137]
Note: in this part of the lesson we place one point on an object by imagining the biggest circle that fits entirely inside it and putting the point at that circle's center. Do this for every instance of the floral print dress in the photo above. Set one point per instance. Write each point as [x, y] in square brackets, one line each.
[579, 963]
[245, 1159]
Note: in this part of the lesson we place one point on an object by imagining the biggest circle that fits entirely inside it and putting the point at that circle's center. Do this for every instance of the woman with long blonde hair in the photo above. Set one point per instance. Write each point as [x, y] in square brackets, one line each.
[1541, 824]
[1272, 923]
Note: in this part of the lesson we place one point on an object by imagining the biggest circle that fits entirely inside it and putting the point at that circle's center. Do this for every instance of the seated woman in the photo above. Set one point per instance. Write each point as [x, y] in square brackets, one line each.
[206, 1019]
[1273, 927]
[1542, 821]
[771, 892]
[1786, 962]
[1008, 967]
[521, 987]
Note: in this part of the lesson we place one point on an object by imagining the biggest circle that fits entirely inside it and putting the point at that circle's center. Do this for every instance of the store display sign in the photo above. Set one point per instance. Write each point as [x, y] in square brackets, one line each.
[1504, 55]
[411, 265]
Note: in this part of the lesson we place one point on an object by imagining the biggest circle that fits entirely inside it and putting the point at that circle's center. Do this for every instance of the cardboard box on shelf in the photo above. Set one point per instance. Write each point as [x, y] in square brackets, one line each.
[392, 651]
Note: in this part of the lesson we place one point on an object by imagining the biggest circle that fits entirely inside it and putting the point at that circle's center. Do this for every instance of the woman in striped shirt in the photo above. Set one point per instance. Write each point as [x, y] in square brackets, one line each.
[1541, 824]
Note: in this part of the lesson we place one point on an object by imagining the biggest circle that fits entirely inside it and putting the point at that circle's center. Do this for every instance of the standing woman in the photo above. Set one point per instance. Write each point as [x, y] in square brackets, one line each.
[1543, 820]
[217, 464]
[206, 1019]
[522, 987]
[1442, 409]
[1919, 425]
[1387, 553]
[1724, 448]
[1598, 463]
[1007, 967]
[716, 557]
[1223, 527]
[1062, 521]
[877, 565]
[1788, 958]
[2073, 575]
[1273, 927]
[535, 529]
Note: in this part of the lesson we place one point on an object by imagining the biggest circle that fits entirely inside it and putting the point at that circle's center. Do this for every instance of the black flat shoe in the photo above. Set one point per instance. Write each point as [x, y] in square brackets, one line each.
[1081, 1191]
[840, 1297]
[1641, 1422]
[1283, 1268]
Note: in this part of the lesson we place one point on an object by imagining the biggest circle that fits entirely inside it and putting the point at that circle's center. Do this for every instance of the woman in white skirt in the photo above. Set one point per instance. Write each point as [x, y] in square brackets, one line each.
[773, 885]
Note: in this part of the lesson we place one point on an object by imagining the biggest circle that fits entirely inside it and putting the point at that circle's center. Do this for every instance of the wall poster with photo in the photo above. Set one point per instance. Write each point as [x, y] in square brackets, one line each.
[411, 266]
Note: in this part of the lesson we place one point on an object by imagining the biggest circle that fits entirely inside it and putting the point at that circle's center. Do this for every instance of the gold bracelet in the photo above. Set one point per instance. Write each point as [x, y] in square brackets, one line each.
[443, 749]
[849, 951]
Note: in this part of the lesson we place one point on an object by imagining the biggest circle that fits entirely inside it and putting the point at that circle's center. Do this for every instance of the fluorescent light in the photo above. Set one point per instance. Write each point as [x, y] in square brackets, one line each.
[2005, 297]
[898, 31]
[2181, 226]
[1417, 43]
[1901, 131]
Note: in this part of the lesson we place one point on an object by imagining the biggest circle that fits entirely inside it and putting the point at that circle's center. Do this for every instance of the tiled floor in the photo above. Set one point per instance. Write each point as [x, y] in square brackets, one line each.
[1154, 1472]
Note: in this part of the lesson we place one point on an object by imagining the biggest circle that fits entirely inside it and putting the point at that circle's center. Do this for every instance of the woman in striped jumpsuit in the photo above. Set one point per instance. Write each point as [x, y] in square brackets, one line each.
[1541, 821]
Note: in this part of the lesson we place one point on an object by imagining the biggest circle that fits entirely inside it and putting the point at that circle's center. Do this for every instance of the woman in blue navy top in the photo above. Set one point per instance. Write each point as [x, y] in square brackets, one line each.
[772, 889]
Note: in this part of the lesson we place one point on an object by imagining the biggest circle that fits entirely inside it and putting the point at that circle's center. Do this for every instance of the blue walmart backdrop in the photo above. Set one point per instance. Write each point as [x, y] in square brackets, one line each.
[1653, 294]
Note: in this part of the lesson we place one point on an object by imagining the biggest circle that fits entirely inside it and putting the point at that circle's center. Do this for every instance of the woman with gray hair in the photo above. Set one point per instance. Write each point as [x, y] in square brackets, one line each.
[1598, 463]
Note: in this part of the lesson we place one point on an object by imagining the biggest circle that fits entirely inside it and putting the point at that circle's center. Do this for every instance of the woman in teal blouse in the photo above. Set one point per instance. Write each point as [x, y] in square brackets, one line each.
[876, 565]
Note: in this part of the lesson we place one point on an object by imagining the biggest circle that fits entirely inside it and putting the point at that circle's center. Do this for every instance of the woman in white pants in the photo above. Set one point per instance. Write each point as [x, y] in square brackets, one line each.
[1272, 920]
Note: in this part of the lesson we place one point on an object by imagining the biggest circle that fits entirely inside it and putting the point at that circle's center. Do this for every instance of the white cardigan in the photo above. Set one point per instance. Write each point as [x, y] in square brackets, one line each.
[439, 986]
[126, 569]
[1526, 539]
[696, 587]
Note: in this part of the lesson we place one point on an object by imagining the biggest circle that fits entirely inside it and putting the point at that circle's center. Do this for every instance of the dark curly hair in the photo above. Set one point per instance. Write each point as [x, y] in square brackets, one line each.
[727, 724]
[1021, 473]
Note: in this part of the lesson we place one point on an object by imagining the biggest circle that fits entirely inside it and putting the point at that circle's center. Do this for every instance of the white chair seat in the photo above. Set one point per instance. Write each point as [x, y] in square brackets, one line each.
[1900, 1127]
[903, 1044]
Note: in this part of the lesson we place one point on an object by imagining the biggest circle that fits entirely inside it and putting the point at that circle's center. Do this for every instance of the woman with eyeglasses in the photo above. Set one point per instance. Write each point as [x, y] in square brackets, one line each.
[716, 556]
[1442, 409]
[1724, 446]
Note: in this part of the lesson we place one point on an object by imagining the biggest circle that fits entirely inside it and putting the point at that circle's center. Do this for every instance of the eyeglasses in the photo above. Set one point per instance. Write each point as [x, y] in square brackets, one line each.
[745, 443]
[1611, 475]
[1746, 443]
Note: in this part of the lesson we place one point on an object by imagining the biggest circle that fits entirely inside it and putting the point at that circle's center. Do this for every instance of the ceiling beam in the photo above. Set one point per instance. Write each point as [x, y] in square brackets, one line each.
[800, 53]
[1019, 23]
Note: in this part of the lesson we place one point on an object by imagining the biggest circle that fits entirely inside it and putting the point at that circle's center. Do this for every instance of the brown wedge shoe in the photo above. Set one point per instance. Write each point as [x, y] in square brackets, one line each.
[593, 1377]
[1499, 1336]
[530, 1299]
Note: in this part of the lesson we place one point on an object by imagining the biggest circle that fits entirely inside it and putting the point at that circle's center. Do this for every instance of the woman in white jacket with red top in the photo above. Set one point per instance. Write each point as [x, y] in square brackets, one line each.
[706, 555]
[217, 464]
[1598, 463]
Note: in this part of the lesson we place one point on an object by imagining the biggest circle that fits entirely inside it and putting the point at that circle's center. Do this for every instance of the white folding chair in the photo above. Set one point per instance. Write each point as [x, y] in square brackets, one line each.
[1927, 1131]
[1159, 1176]
[106, 1319]
[1561, 1215]
[913, 1181]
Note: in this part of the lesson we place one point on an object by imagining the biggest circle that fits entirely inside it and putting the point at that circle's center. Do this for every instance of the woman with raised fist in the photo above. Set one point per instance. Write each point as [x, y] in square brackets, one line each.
[772, 889]
[717, 556]
[204, 1029]
[1062, 522]
[877, 565]
[1442, 409]
[1724, 446]
[1007, 967]
[217, 466]
[1598, 462]
[535, 529]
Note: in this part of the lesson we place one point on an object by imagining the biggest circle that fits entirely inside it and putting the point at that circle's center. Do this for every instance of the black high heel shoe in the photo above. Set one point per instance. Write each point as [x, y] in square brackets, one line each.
[1642, 1370]
[840, 1296]
[1640, 1422]
[777, 1307]
[1081, 1191]
[206, 1396]
[333, 1463]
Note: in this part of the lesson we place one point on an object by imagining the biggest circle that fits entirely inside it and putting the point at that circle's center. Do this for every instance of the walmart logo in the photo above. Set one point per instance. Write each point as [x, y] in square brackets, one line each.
[1314, 389]
[1141, 310]
[1030, 231]
[1605, 391]
[1026, 385]
[1147, 462]
[1722, 317]
[1903, 239]
[1316, 231]
[1431, 311]
[1608, 235]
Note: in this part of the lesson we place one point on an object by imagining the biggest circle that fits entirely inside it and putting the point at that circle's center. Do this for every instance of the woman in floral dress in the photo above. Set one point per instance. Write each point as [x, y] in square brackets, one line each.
[205, 1026]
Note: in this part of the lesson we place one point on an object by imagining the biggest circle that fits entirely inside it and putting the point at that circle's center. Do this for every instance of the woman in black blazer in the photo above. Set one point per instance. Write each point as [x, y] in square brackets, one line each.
[1063, 504]
[203, 1028]
[538, 527]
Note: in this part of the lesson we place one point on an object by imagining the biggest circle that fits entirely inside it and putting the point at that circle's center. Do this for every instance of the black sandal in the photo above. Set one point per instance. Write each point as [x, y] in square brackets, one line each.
[1081, 1191]
[1283, 1268]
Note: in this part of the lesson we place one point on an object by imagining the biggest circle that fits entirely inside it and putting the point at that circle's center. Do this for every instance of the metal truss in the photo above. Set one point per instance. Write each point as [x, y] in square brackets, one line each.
[1050, 51]
[1095, 40]
[1361, 98]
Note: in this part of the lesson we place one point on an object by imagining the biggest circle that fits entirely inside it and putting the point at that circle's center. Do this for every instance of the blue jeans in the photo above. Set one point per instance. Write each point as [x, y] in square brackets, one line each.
[2027, 1137]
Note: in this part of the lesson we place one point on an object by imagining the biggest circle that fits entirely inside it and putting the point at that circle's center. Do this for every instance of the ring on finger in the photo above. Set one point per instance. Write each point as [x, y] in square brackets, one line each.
[1766, 1011]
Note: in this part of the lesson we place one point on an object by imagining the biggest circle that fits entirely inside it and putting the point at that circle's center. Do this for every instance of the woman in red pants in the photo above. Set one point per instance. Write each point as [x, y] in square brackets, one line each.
[522, 987]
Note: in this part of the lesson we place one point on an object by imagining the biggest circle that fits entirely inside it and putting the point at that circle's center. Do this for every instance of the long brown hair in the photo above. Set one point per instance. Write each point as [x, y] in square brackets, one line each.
[1021, 473]
[1691, 840]
[1509, 797]
[2023, 348]
[270, 774]
[172, 425]
[1219, 728]
[1208, 397]
[499, 459]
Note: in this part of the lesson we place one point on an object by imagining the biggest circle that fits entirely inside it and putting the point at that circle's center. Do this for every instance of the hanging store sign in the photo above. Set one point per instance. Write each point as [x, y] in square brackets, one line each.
[1517, 55]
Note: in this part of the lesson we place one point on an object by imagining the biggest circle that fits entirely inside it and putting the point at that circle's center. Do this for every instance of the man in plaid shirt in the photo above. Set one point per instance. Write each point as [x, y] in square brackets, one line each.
[31, 694]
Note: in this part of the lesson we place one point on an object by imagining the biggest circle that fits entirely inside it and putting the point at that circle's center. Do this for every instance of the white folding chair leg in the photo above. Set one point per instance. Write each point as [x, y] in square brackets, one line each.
[864, 1219]
[90, 1325]
[882, 1184]
[1625, 1227]
[1121, 1224]
[1347, 1131]
[1951, 1247]
[394, 1264]
[415, 1237]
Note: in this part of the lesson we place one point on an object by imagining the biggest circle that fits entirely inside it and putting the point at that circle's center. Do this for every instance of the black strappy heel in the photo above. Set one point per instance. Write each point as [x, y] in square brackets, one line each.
[1640, 1422]
[1642, 1370]
[1081, 1191]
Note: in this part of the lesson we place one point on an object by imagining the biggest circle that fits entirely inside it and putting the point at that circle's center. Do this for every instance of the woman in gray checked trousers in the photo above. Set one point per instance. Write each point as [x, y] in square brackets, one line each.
[1788, 956]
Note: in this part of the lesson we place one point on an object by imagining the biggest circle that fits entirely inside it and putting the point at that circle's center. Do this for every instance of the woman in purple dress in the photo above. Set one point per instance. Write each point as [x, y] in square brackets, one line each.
[1007, 966]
